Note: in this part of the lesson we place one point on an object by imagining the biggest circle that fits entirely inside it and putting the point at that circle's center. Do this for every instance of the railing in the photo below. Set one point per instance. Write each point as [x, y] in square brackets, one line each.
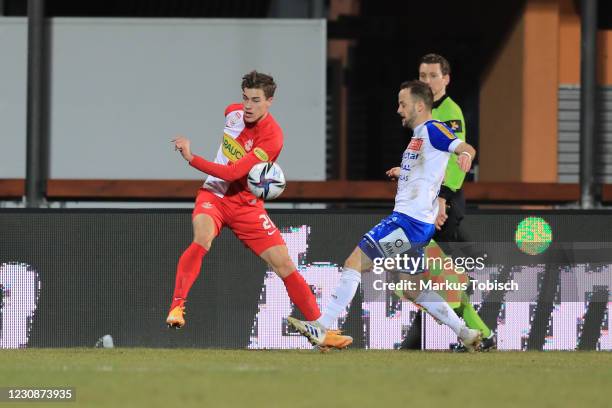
[304, 191]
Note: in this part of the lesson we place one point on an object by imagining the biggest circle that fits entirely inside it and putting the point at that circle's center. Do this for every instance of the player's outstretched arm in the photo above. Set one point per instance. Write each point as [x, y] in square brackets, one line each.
[442, 138]
[228, 173]
[466, 154]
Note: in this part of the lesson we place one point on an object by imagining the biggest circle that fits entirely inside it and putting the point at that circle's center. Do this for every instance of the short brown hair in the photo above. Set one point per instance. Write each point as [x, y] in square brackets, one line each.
[437, 59]
[257, 80]
[419, 90]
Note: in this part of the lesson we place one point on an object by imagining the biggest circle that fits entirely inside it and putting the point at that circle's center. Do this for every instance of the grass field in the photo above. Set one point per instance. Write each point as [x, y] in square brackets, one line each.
[353, 378]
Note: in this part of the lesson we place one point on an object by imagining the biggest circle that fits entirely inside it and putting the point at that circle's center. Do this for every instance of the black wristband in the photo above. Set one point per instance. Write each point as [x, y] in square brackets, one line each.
[446, 193]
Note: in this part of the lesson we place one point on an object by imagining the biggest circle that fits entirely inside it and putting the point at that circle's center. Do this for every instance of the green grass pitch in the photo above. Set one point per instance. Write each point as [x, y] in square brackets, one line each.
[353, 378]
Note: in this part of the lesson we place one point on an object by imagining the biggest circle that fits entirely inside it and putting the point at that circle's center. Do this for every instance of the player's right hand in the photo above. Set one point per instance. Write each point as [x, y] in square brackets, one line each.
[393, 173]
[183, 145]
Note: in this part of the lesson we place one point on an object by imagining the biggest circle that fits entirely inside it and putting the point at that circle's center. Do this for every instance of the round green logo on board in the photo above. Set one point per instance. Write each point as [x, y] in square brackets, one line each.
[533, 235]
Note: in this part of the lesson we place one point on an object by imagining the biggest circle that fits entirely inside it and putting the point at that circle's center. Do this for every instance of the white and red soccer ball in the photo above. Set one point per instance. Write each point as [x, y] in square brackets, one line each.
[266, 180]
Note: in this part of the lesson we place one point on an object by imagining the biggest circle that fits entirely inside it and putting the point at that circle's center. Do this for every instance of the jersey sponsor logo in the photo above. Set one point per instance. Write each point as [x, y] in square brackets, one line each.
[415, 144]
[261, 154]
[455, 124]
[232, 149]
[404, 177]
[396, 243]
[444, 130]
[206, 205]
[248, 145]
[233, 118]
[408, 155]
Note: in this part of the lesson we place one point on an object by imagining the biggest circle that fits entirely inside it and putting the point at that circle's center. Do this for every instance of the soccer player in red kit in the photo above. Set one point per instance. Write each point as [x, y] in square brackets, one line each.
[251, 135]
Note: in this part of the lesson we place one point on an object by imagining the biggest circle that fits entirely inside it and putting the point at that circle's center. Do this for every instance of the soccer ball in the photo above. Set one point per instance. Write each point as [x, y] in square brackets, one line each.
[266, 180]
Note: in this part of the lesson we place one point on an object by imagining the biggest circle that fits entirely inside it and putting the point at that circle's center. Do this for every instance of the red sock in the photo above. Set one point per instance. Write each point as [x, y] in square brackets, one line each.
[187, 272]
[301, 295]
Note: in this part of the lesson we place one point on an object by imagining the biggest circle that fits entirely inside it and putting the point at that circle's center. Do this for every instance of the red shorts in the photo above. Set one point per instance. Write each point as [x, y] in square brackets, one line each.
[249, 222]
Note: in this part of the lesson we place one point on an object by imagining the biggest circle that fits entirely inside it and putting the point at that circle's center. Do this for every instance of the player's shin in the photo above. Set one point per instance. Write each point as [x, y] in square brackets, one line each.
[300, 294]
[187, 271]
[438, 308]
[342, 297]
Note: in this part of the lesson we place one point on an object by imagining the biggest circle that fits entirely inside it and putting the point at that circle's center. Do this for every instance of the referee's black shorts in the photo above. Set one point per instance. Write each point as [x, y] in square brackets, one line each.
[455, 209]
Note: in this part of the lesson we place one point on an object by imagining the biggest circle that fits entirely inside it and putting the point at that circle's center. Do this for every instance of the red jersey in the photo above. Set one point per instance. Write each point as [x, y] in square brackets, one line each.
[243, 146]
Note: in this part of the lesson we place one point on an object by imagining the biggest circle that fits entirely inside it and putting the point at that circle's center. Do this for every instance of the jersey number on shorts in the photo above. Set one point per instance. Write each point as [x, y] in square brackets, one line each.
[266, 223]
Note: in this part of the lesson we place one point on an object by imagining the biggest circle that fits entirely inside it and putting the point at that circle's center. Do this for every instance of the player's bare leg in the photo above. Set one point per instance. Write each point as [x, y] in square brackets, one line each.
[301, 295]
[358, 261]
[280, 261]
[189, 265]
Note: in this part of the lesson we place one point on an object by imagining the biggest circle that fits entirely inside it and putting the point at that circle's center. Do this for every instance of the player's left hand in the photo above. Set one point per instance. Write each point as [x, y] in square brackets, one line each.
[393, 173]
[183, 145]
[442, 216]
[465, 162]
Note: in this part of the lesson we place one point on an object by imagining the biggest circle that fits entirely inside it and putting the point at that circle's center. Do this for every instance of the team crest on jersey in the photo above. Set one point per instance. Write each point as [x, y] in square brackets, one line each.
[248, 145]
[233, 119]
[415, 144]
[455, 125]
